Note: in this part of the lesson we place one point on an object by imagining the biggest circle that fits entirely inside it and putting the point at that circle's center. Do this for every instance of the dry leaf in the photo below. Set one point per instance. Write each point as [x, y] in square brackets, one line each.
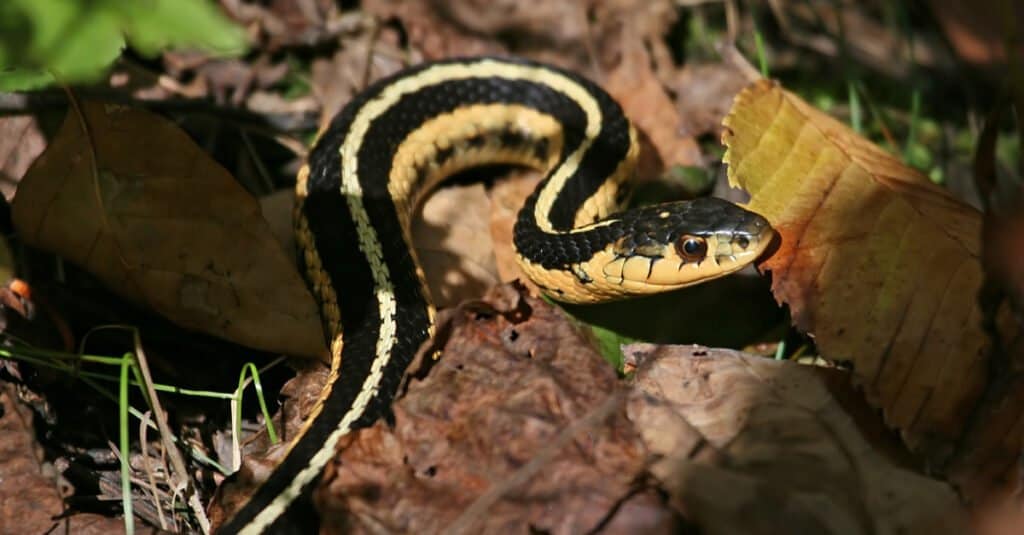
[704, 94]
[20, 142]
[981, 33]
[453, 243]
[634, 84]
[507, 198]
[877, 263]
[134, 201]
[518, 426]
[366, 57]
[429, 33]
[30, 501]
[746, 445]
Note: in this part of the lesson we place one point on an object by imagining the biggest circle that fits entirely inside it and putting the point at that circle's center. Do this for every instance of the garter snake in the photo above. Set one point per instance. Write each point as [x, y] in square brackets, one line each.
[398, 139]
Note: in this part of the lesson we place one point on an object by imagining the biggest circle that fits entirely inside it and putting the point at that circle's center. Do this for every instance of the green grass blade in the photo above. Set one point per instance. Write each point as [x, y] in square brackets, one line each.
[251, 369]
[915, 115]
[856, 115]
[762, 54]
[126, 483]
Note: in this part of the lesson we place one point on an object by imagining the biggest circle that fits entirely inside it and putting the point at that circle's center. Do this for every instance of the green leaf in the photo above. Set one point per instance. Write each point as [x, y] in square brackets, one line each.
[74, 41]
[609, 344]
[77, 40]
[24, 80]
[154, 25]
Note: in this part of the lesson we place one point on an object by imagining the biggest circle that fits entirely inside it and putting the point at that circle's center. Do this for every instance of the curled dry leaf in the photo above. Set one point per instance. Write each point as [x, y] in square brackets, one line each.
[746, 445]
[880, 265]
[520, 423]
[127, 195]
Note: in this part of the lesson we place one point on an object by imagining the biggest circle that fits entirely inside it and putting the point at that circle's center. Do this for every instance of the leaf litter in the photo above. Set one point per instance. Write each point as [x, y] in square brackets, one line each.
[600, 42]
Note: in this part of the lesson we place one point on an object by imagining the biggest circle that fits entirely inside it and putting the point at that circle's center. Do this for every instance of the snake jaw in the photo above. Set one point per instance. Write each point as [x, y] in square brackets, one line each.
[682, 244]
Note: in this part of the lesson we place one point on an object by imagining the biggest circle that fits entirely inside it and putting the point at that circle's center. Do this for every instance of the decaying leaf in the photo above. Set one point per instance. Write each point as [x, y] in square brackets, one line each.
[746, 444]
[131, 198]
[880, 265]
[30, 501]
[520, 423]
[430, 32]
[703, 95]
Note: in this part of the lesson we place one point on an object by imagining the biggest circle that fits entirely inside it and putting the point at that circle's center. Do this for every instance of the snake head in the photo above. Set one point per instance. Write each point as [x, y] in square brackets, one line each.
[679, 244]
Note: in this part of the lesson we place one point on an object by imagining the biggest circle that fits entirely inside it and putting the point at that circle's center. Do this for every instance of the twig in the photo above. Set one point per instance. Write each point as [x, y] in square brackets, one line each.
[261, 169]
[179, 476]
[371, 41]
[732, 56]
[148, 469]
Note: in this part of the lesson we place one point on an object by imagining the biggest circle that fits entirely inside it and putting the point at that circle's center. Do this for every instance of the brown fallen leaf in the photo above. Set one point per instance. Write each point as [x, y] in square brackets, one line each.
[429, 32]
[703, 95]
[369, 55]
[507, 198]
[20, 142]
[128, 196]
[30, 501]
[453, 242]
[745, 444]
[880, 265]
[628, 32]
[518, 426]
[981, 33]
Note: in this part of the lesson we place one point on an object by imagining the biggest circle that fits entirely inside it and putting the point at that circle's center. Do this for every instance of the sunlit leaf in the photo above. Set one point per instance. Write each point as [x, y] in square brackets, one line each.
[879, 264]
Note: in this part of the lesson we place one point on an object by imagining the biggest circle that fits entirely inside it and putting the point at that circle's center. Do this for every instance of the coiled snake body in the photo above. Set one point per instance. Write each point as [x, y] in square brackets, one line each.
[402, 136]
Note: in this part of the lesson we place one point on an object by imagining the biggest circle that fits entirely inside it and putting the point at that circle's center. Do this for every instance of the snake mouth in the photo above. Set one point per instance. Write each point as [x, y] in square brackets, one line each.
[692, 258]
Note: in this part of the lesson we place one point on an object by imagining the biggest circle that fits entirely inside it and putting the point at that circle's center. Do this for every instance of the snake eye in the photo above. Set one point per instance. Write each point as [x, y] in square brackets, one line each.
[691, 248]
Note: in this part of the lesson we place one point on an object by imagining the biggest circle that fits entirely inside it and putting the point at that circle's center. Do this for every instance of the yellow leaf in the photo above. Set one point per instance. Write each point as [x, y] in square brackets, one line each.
[877, 263]
[129, 197]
